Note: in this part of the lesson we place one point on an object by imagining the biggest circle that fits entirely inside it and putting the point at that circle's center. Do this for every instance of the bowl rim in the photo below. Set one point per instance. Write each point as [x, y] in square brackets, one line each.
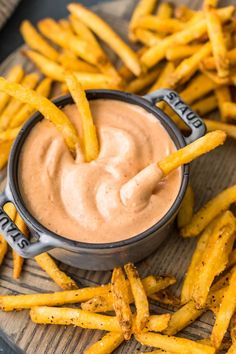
[35, 225]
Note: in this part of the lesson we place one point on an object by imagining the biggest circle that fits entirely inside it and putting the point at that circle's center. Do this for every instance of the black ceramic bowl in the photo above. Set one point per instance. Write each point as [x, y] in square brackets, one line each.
[101, 256]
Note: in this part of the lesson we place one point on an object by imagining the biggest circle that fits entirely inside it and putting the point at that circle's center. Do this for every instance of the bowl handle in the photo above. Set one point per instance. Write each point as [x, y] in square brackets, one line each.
[186, 114]
[16, 238]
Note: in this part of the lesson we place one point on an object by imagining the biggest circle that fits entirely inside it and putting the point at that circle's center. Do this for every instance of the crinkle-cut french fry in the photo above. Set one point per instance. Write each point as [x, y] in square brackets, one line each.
[144, 7]
[173, 344]
[52, 30]
[106, 344]
[43, 89]
[189, 281]
[186, 210]
[35, 41]
[105, 32]
[140, 297]
[143, 81]
[46, 262]
[226, 311]
[158, 323]
[147, 37]
[165, 297]
[184, 13]
[216, 36]
[90, 139]
[198, 87]
[18, 261]
[188, 67]
[223, 95]
[192, 32]
[190, 152]
[70, 62]
[209, 211]
[229, 109]
[15, 74]
[165, 10]
[10, 209]
[205, 105]
[29, 81]
[210, 63]
[163, 77]
[46, 108]
[5, 148]
[154, 23]
[215, 257]
[182, 51]
[121, 306]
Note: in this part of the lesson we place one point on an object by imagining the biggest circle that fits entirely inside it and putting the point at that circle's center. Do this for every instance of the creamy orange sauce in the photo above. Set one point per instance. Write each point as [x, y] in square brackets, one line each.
[82, 201]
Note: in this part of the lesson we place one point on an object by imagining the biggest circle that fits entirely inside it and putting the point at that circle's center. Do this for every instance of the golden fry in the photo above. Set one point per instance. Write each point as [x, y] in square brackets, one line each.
[223, 95]
[232, 258]
[90, 139]
[209, 211]
[9, 134]
[140, 297]
[164, 10]
[165, 297]
[46, 262]
[210, 63]
[107, 344]
[205, 105]
[121, 306]
[65, 25]
[144, 7]
[70, 62]
[95, 81]
[213, 125]
[18, 261]
[15, 74]
[46, 108]
[186, 210]
[143, 81]
[182, 51]
[35, 41]
[216, 78]
[10, 209]
[98, 304]
[210, 4]
[184, 13]
[5, 148]
[198, 87]
[229, 109]
[154, 23]
[163, 77]
[105, 32]
[147, 37]
[158, 323]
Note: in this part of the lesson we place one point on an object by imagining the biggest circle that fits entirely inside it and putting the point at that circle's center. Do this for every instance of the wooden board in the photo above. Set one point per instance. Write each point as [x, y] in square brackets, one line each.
[209, 176]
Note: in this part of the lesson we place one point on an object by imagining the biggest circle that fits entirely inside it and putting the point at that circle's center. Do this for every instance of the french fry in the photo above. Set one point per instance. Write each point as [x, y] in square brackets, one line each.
[90, 139]
[186, 210]
[163, 77]
[232, 349]
[229, 129]
[83, 31]
[46, 108]
[95, 81]
[98, 304]
[205, 105]
[10, 209]
[107, 344]
[173, 344]
[70, 62]
[18, 261]
[105, 32]
[209, 211]
[232, 258]
[229, 109]
[215, 257]
[165, 297]
[35, 41]
[215, 32]
[9, 134]
[143, 81]
[188, 67]
[223, 95]
[5, 148]
[29, 81]
[154, 23]
[198, 87]
[182, 51]
[158, 351]
[144, 7]
[43, 89]
[46, 262]
[210, 4]
[226, 311]
[210, 63]
[121, 306]
[147, 37]
[216, 78]
[140, 297]
[164, 10]
[184, 13]
[158, 323]
[65, 25]
[15, 74]
[124, 71]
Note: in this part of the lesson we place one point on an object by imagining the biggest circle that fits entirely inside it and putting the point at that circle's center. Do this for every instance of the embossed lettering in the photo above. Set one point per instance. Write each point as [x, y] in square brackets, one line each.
[4, 221]
[171, 95]
[23, 243]
[16, 236]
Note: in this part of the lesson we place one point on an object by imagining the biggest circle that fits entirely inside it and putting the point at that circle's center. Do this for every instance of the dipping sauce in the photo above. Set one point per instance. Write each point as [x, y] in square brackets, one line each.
[81, 201]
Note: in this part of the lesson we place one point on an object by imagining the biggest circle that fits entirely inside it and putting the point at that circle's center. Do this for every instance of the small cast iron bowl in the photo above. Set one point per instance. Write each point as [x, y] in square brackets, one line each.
[102, 256]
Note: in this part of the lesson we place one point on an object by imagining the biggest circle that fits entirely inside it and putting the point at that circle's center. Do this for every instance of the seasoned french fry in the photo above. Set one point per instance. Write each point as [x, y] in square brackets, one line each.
[18, 261]
[198, 87]
[124, 71]
[209, 211]
[182, 51]
[232, 258]
[232, 349]
[10, 209]
[163, 77]
[105, 32]
[154, 23]
[121, 306]
[46, 108]
[83, 31]
[223, 95]
[15, 74]
[226, 311]
[165, 297]
[107, 344]
[90, 139]
[173, 344]
[164, 10]
[98, 304]
[215, 32]
[186, 210]
[5, 148]
[205, 105]
[26, 111]
[158, 323]
[143, 81]
[71, 62]
[95, 81]
[210, 63]
[140, 297]
[158, 351]
[46, 262]
[147, 37]
[215, 257]
[13, 106]
[229, 109]
[144, 7]
[35, 41]
[184, 13]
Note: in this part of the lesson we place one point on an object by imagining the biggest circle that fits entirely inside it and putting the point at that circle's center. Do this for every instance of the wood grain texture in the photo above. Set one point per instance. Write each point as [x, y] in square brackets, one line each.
[209, 175]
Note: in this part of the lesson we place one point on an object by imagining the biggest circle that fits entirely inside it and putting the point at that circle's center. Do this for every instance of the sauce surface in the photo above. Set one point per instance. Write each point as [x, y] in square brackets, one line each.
[81, 201]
